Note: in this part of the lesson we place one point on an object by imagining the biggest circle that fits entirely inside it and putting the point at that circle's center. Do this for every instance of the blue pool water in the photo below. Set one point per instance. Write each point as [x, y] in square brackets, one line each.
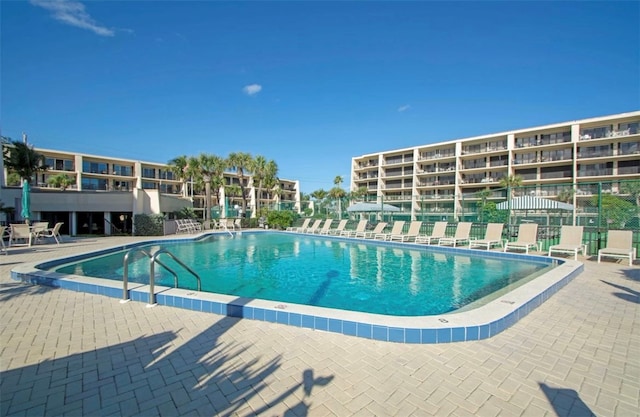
[345, 274]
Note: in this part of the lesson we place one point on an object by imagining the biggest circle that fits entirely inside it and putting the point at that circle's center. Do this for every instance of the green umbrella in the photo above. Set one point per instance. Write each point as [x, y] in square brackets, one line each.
[26, 201]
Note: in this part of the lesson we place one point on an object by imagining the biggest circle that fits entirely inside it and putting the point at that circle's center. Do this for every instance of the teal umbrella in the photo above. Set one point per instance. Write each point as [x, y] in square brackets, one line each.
[26, 201]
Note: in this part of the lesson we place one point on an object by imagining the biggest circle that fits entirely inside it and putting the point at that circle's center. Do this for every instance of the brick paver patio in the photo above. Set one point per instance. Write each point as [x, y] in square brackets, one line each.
[77, 354]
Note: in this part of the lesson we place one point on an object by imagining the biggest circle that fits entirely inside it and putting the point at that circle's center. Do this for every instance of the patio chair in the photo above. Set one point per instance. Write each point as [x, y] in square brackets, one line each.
[300, 228]
[337, 230]
[20, 232]
[325, 227]
[53, 232]
[369, 234]
[570, 242]
[313, 227]
[438, 232]
[619, 245]
[527, 238]
[3, 247]
[492, 236]
[463, 229]
[397, 228]
[412, 233]
[360, 228]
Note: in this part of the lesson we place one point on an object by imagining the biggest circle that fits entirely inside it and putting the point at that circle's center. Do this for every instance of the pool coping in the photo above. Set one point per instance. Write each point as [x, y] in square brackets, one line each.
[476, 324]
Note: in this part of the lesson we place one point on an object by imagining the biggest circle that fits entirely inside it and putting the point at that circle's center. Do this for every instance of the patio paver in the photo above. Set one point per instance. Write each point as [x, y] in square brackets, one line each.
[68, 353]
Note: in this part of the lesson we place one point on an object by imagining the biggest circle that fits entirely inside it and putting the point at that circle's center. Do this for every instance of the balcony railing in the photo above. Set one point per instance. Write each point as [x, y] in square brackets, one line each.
[628, 170]
[607, 134]
[595, 172]
[595, 154]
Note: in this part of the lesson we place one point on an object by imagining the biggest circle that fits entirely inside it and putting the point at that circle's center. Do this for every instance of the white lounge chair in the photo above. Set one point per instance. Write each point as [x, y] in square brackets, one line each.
[313, 227]
[492, 236]
[527, 238]
[619, 245]
[360, 228]
[570, 242]
[3, 247]
[412, 233]
[438, 232]
[369, 234]
[20, 232]
[397, 228]
[300, 228]
[53, 232]
[325, 227]
[463, 229]
[337, 230]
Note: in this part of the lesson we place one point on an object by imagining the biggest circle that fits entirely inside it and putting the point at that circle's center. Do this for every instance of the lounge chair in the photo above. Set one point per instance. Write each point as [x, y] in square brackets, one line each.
[3, 247]
[53, 232]
[325, 227]
[619, 245]
[360, 228]
[492, 236]
[570, 242]
[438, 232]
[527, 238]
[369, 234]
[337, 230]
[20, 232]
[397, 228]
[412, 233]
[463, 229]
[300, 228]
[313, 227]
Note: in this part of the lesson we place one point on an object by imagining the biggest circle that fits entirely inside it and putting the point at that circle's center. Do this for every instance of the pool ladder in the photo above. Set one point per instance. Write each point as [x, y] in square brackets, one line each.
[153, 260]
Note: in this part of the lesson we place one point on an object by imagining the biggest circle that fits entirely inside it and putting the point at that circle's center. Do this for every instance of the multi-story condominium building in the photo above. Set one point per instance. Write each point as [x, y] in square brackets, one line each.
[446, 179]
[107, 192]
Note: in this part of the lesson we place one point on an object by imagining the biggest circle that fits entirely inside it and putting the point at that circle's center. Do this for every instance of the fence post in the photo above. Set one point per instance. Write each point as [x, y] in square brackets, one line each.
[599, 215]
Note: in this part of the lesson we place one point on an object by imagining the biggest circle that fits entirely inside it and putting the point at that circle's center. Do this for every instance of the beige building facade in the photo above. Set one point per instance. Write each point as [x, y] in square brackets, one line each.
[446, 178]
[107, 193]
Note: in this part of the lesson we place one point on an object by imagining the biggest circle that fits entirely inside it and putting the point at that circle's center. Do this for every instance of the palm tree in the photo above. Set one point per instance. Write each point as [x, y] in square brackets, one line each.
[61, 181]
[241, 162]
[510, 182]
[319, 195]
[265, 173]
[23, 159]
[210, 168]
[181, 169]
[338, 193]
[483, 195]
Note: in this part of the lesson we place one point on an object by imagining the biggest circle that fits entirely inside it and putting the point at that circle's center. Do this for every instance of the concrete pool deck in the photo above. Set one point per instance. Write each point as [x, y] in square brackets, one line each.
[71, 353]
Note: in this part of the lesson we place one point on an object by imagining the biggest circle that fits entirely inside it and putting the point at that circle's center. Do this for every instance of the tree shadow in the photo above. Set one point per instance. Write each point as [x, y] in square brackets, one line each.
[203, 376]
[9, 290]
[630, 295]
[566, 402]
[632, 274]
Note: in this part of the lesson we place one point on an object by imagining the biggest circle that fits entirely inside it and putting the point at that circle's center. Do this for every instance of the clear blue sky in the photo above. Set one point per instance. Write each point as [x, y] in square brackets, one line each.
[308, 84]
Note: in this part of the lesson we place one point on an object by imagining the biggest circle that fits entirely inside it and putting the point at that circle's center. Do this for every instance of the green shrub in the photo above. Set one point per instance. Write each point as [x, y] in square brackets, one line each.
[280, 219]
[148, 225]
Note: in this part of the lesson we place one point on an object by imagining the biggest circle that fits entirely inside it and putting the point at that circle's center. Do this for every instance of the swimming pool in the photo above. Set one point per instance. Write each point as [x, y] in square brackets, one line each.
[322, 270]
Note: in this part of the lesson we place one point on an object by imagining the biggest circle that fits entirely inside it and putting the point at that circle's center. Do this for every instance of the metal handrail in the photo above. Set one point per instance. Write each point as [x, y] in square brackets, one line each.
[152, 261]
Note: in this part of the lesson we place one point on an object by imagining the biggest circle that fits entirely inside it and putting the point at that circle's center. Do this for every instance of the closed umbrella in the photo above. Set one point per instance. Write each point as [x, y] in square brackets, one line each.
[26, 201]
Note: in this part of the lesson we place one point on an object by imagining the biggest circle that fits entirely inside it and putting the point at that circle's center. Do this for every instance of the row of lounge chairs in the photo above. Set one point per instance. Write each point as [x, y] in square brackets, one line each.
[619, 242]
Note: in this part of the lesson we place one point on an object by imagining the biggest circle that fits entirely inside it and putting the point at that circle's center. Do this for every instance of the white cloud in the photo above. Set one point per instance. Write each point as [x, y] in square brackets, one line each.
[252, 89]
[404, 108]
[73, 13]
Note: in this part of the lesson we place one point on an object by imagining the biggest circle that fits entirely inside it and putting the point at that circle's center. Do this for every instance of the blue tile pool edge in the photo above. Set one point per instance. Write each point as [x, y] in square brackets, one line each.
[477, 324]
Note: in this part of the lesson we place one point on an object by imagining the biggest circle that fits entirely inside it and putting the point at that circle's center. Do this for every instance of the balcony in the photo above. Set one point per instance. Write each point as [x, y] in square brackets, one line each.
[595, 172]
[628, 170]
[595, 154]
